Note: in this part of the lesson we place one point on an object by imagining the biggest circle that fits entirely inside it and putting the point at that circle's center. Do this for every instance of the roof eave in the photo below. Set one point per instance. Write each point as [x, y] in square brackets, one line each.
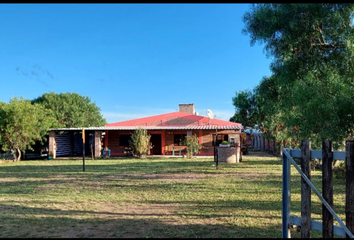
[191, 127]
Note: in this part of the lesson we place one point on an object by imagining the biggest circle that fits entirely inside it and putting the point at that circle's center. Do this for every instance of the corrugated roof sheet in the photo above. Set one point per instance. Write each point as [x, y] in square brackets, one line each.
[175, 119]
[168, 121]
[191, 127]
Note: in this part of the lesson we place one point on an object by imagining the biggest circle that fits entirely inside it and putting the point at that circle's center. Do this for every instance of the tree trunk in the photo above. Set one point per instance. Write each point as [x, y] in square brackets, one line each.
[19, 155]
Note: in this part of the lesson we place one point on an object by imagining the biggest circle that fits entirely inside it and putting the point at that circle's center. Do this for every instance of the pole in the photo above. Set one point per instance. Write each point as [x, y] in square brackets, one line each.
[92, 152]
[83, 149]
[286, 197]
[217, 152]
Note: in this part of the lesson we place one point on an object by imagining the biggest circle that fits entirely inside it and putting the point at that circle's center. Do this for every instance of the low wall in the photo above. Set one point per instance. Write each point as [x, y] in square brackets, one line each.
[229, 154]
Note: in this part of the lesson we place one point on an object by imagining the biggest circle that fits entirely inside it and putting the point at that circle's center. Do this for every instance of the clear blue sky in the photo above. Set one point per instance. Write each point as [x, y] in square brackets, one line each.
[131, 60]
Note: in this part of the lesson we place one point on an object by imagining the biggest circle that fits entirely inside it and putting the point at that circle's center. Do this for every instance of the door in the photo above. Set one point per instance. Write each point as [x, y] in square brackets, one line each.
[156, 142]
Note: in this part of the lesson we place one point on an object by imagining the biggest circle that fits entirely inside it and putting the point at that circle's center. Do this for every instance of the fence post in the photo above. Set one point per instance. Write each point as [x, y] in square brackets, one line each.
[305, 189]
[327, 188]
[286, 198]
[349, 185]
[281, 146]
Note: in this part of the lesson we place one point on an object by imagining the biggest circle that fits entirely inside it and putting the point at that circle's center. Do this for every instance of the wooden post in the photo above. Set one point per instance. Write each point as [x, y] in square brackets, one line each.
[286, 197]
[72, 142]
[92, 152]
[52, 145]
[327, 188]
[83, 149]
[216, 149]
[349, 186]
[239, 148]
[97, 146]
[305, 189]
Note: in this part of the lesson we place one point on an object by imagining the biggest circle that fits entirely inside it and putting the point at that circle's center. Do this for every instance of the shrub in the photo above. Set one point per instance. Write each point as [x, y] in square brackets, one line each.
[140, 142]
[193, 145]
[224, 142]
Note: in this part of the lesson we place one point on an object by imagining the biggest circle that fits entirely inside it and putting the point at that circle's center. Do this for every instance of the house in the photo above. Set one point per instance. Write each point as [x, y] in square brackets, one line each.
[167, 134]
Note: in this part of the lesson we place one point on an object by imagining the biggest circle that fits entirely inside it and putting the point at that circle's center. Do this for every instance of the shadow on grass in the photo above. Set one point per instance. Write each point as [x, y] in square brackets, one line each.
[52, 223]
[101, 165]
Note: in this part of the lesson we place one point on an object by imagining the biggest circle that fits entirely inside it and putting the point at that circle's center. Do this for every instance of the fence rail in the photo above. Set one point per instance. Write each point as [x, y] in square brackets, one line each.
[327, 155]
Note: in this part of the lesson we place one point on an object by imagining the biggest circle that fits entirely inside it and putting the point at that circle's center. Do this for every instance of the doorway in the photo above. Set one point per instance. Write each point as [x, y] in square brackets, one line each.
[156, 142]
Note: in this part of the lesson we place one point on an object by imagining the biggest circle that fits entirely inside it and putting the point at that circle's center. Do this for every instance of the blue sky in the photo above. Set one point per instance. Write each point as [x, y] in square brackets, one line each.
[131, 60]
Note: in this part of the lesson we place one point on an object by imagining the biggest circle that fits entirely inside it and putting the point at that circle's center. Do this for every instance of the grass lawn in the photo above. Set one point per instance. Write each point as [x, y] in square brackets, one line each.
[153, 197]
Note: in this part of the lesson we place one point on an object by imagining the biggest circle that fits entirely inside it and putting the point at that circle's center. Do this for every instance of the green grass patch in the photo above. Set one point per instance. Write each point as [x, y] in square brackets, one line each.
[153, 197]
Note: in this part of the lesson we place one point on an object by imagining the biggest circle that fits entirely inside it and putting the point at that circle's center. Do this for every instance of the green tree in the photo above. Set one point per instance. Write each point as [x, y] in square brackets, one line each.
[313, 61]
[21, 124]
[193, 145]
[71, 110]
[269, 116]
[245, 108]
[140, 142]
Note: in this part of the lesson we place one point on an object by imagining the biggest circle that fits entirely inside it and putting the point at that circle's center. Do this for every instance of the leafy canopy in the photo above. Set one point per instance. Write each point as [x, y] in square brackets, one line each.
[245, 108]
[72, 110]
[313, 60]
[21, 124]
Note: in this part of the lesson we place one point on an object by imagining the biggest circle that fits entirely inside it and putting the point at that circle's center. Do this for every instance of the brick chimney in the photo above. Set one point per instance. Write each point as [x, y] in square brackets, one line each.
[187, 108]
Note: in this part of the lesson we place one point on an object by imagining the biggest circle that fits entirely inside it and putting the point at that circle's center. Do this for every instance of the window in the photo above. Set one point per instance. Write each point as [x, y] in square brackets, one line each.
[124, 140]
[219, 139]
[179, 139]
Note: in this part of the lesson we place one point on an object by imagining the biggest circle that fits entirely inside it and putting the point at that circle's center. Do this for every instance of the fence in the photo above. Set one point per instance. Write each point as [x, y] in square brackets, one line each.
[326, 226]
[6, 156]
[259, 142]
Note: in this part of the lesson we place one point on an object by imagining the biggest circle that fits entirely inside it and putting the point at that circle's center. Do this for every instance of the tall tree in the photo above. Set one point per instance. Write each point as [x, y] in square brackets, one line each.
[21, 124]
[313, 61]
[72, 110]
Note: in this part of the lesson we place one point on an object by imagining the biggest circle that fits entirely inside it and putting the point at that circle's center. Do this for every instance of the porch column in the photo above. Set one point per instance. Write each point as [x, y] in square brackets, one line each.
[97, 144]
[106, 139]
[52, 145]
[163, 142]
[72, 142]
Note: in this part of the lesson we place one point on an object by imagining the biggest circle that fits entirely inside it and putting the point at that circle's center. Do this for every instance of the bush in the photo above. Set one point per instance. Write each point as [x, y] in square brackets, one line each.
[193, 145]
[140, 142]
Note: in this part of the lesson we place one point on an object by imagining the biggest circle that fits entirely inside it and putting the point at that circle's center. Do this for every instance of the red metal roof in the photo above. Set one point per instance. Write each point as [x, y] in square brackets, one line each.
[180, 120]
